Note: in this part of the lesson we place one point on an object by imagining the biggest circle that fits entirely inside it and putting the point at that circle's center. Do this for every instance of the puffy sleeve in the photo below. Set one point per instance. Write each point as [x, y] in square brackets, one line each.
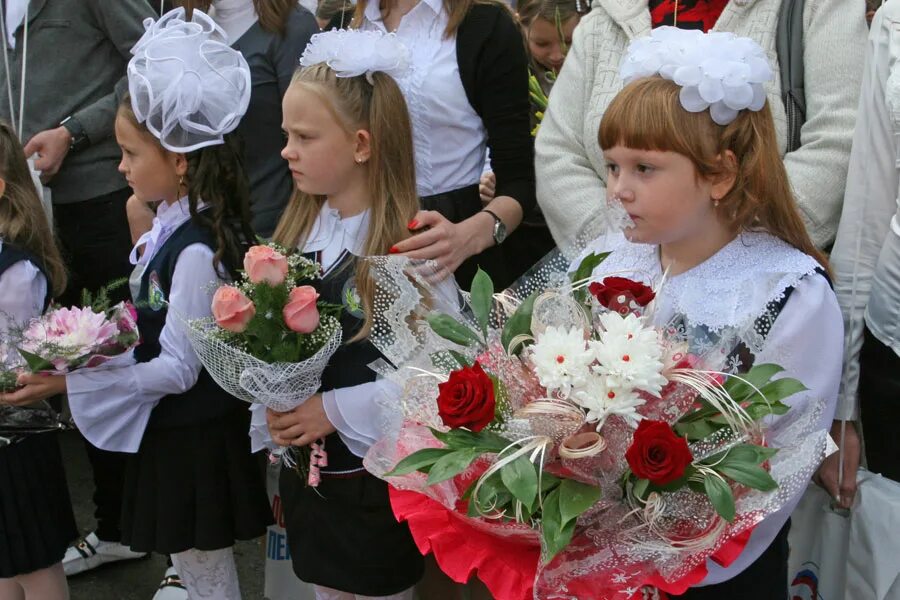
[807, 340]
[112, 406]
[22, 291]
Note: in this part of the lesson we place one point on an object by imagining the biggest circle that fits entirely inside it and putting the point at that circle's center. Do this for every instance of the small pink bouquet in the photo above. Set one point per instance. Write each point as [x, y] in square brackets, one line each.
[65, 339]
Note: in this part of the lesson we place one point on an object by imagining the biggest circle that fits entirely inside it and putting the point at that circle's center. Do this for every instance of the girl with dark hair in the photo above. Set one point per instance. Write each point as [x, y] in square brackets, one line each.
[35, 510]
[192, 486]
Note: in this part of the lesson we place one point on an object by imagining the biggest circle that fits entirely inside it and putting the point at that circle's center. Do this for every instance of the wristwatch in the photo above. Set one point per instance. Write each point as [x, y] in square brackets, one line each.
[80, 139]
[499, 227]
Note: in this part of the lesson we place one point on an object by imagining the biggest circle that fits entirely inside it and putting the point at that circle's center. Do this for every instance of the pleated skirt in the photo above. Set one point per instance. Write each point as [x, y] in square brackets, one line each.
[195, 487]
[36, 519]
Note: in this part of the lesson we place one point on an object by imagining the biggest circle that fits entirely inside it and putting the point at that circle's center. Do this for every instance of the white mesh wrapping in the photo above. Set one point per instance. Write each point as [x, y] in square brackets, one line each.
[187, 85]
[279, 386]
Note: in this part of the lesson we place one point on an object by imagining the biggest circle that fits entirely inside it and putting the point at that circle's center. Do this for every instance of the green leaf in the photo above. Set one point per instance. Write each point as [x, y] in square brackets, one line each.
[584, 270]
[461, 439]
[548, 482]
[779, 389]
[640, 488]
[459, 358]
[417, 460]
[450, 329]
[35, 363]
[481, 299]
[695, 430]
[491, 496]
[520, 479]
[575, 498]
[758, 376]
[720, 495]
[751, 475]
[452, 464]
[519, 323]
[555, 534]
[746, 453]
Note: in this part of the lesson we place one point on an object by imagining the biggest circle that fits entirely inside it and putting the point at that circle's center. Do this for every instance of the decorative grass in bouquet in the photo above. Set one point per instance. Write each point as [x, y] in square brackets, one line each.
[270, 338]
[558, 423]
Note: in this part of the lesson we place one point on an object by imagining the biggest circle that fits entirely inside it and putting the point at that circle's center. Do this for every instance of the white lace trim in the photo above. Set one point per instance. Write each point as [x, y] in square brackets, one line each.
[745, 276]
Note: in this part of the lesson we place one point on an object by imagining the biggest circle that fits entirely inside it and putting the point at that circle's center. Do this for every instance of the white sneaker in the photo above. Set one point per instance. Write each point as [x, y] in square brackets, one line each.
[171, 587]
[90, 552]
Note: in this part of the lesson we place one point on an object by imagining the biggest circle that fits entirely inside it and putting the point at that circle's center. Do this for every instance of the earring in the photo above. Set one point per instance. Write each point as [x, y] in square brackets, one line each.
[715, 203]
[181, 181]
[359, 161]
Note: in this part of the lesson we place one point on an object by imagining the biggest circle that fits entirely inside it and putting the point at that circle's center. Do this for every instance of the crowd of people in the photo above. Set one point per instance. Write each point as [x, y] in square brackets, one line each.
[504, 133]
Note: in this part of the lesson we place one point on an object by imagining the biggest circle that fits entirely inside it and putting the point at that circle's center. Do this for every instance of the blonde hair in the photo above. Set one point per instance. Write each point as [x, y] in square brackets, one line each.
[23, 222]
[647, 115]
[378, 107]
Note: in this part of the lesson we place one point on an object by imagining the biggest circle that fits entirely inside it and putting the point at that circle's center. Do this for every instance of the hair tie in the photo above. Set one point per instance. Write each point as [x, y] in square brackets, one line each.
[716, 70]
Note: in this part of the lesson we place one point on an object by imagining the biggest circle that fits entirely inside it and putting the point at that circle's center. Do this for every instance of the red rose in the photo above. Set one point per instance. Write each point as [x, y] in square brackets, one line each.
[467, 399]
[617, 293]
[657, 453]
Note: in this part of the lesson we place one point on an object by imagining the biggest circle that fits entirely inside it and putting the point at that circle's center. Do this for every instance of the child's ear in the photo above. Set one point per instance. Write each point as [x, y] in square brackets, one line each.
[363, 151]
[180, 163]
[2, 187]
[724, 181]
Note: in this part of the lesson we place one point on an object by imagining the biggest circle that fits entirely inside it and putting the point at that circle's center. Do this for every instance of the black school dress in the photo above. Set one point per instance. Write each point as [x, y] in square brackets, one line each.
[36, 519]
[193, 483]
[343, 534]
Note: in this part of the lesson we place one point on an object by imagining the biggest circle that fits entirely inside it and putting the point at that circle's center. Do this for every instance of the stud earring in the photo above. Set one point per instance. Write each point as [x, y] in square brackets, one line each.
[715, 203]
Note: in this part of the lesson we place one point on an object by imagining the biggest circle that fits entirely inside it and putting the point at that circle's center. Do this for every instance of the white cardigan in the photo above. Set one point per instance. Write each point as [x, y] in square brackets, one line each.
[570, 168]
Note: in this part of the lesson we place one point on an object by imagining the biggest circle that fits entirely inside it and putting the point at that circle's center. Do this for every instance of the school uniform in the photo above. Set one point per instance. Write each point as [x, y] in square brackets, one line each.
[343, 534]
[191, 481]
[36, 519]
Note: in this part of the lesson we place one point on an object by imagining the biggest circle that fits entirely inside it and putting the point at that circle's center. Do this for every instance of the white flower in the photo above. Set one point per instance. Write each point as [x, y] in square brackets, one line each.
[561, 359]
[601, 400]
[630, 354]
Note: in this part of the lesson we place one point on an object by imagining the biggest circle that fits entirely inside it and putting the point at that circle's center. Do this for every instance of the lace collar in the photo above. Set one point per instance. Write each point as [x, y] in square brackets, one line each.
[731, 289]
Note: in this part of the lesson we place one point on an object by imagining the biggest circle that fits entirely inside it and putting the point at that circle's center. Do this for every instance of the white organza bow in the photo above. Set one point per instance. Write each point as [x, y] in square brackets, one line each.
[716, 70]
[187, 85]
[353, 52]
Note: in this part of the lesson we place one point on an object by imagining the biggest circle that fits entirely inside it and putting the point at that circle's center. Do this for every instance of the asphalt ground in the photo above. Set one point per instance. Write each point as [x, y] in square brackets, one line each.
[137, 579]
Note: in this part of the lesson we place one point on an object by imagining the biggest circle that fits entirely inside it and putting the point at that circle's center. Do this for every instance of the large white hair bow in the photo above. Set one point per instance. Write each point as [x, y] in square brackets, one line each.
[716, 70]
[354, 52]
[187, 85]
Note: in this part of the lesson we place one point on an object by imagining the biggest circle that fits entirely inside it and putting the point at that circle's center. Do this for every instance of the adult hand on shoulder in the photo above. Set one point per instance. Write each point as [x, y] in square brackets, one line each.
[52, 146]
[828, 474]
[35, 387]
[446, 243]
[301, 426]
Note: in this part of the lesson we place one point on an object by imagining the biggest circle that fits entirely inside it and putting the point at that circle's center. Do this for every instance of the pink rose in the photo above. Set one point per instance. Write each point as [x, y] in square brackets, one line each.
[264, 265]
[232, 309]
[301, 313]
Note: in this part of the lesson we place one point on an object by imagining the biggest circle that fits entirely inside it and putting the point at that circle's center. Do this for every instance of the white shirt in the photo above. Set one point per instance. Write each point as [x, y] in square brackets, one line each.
[22, 291]
[806, 338]
[112, 406]
[449, 137]
[866, 255]
[15, 17]
[235, 17]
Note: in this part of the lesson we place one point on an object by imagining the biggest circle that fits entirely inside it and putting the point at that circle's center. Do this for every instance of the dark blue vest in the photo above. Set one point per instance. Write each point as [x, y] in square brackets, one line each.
[10, 255]
[206, 400]
[349, 365]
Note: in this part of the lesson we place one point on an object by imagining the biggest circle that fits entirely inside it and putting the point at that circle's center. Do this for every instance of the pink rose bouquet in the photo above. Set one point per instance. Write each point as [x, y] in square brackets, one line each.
[270, 337]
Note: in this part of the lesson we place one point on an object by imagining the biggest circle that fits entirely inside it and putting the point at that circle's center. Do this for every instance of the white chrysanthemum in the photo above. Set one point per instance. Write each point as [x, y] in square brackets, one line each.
[601, 401]
[629, 353]
[561, 359]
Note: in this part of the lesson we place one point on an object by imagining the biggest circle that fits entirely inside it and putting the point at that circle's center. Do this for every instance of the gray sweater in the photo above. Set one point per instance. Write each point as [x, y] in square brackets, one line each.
[77, 52]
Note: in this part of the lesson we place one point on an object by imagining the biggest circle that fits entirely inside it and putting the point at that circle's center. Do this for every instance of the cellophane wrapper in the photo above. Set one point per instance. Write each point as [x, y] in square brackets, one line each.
[614, 553]
[279, 386]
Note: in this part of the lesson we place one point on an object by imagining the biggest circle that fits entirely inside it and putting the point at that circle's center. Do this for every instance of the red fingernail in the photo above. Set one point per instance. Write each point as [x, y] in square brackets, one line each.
[412, 224]
[394, 250]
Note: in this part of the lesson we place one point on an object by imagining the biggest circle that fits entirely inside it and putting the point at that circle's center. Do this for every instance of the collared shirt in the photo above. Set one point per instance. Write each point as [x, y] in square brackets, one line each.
[866, 255]
[112, 406]
[22, 291]
[448, 135]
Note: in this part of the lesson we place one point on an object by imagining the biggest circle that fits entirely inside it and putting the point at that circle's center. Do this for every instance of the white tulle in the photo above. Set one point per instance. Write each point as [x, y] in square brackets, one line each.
[352, 52]
[717, 71]
[187, 85]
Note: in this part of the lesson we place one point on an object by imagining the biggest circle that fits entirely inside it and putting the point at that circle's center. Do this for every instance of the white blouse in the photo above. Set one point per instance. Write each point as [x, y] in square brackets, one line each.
[112, 406]
[732, 288]
[448, 135]
[22, 291]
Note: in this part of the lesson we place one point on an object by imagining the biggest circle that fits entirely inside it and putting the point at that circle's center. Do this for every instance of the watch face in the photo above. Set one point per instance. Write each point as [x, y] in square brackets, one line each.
[499, 232]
